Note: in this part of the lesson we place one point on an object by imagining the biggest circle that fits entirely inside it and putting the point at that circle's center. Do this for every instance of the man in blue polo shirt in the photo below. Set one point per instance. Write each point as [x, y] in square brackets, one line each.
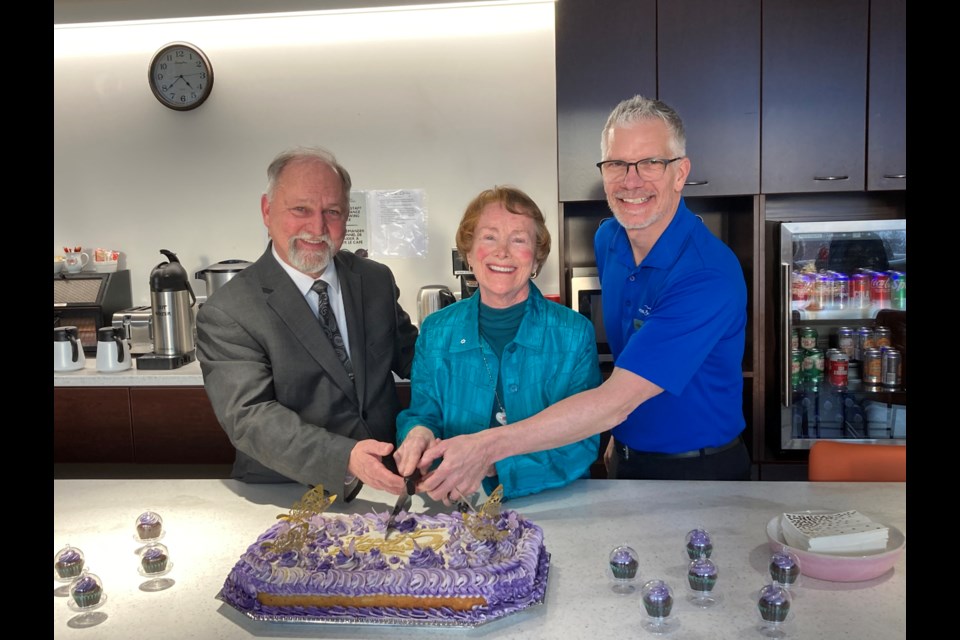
[674, 303]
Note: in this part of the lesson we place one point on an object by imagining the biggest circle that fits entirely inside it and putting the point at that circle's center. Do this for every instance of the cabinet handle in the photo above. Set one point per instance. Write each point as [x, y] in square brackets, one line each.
[698, 183]
[831, 177]
[894, 176]
[786, 397]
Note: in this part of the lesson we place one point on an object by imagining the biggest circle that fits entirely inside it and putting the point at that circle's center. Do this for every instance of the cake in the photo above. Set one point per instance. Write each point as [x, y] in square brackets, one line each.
[784, 568]
[624, 563]
[154, 559]
[68, 562]
[702, 575]
[699, 544]
[657, 599]
[149, 525]
[87, 591]
[449, 568]
[773, 603]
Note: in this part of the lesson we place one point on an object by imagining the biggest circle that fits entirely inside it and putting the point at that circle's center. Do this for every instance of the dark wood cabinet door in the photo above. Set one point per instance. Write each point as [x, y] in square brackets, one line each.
[814, 92]
[606, 52]
[708, 69]
[887, 101]
[176, 425]
[91, 425]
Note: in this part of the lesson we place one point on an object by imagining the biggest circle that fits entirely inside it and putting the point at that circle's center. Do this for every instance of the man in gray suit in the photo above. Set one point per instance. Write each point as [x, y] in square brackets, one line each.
[295, 408]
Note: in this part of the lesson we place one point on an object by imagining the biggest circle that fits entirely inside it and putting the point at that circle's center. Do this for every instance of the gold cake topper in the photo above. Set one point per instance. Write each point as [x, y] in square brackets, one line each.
[482, 523]
[314, 502]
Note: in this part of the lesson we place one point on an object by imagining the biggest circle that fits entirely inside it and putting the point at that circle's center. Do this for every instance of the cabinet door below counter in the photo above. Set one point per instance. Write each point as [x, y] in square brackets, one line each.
[92, 425]
[176, 425]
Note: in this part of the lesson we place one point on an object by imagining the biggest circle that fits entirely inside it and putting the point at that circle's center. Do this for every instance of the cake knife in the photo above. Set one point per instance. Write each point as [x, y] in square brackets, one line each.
[405, 499]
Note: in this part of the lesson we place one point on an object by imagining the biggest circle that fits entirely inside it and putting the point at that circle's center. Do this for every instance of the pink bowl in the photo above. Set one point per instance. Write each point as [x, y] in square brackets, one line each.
[841, 567]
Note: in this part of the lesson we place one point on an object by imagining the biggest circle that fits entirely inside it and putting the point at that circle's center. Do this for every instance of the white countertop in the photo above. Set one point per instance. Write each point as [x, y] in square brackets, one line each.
[188, 375]
[209, 524]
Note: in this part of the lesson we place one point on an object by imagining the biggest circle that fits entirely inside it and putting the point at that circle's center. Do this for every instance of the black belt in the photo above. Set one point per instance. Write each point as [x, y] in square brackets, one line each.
[626, 452]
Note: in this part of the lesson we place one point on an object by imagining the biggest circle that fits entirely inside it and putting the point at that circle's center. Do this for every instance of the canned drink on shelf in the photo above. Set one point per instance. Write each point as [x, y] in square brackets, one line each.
[794, 339]
[898, 290]
[808, 338]
[880, 290]
[801, 290]
[864, 341]
[822, 292]
[838, 368]
[860, 291]
[796, 367]
[841, 291]
[853, 371]
[813, 365]
[890, 368]
[847, 341]
[872, 370]
[881, 337]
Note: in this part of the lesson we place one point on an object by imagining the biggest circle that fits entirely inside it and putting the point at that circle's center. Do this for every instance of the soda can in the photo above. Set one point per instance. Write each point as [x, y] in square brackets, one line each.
[822, 293]
[864, 341]
[872, 371]
[808, 338]
[801, 290]
[813, 365]
[898, 290]
[796, 367]
[841, 291]
[860, 291]
[847, 341]
[881, 337]
[794, 339]
[890, 368]
[838, 369]
[880, 290]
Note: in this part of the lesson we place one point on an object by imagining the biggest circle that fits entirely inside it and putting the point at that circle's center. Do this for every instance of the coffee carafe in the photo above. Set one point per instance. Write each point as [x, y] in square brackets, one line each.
[171, 301]
[67, 351]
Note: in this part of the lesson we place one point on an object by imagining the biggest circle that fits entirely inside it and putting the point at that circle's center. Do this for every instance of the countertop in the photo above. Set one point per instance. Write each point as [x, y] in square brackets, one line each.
[188, 375]
[209, 524]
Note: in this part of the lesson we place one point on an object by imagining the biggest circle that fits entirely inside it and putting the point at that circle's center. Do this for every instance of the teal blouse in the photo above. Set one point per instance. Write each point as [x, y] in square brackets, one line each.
[553, 355]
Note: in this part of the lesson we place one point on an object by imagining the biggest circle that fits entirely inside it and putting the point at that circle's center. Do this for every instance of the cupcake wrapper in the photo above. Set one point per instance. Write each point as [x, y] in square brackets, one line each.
[87, 599]
[155, 566]
[659, 609]
[70, 571]
[702, 583]
[774, 612]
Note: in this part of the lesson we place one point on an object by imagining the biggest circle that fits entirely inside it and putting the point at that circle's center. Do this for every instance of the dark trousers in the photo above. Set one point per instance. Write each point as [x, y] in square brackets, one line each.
[731, 464]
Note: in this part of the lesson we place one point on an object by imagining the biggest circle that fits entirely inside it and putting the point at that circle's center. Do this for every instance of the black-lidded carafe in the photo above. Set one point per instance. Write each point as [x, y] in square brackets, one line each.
[171, 301]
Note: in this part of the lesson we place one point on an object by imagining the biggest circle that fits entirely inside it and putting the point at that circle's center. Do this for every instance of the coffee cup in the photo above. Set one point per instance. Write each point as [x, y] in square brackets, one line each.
[67, 351]
[75, 261]
[113, 351]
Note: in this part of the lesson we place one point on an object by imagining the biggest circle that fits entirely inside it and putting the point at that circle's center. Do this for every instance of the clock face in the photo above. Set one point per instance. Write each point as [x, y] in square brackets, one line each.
[181, 76]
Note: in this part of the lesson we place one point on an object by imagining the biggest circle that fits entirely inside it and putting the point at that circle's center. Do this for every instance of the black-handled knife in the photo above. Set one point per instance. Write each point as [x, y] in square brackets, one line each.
[404, 501]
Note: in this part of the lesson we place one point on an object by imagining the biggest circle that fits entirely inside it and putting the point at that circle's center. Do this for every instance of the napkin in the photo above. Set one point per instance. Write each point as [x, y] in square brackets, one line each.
[845, 531]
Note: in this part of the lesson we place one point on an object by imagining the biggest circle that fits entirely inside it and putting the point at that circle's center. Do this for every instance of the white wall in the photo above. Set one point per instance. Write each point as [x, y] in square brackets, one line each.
[449, 100]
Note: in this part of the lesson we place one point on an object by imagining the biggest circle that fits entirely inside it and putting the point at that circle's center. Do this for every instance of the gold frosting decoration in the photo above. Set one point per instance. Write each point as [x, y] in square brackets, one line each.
[313, 502]
[482, 523]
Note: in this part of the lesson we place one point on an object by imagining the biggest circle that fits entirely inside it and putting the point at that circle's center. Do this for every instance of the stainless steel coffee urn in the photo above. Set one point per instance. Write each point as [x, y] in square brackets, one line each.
[171, 301]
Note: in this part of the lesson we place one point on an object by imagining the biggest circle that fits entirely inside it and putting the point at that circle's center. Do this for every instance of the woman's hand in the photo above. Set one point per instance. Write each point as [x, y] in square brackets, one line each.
[410, 451]
[465, 464]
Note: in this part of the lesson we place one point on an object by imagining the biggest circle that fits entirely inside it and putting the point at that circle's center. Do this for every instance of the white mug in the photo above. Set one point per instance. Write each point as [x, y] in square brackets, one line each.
[113, 351]
[75, 261]
[67, 351]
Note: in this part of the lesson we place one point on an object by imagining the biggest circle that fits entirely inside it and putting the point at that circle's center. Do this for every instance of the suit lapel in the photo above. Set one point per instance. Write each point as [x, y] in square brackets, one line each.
[291, 307]
[351, 288]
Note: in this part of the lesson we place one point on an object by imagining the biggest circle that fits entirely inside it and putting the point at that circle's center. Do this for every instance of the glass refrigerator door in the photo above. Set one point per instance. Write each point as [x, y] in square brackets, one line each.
[843, 331]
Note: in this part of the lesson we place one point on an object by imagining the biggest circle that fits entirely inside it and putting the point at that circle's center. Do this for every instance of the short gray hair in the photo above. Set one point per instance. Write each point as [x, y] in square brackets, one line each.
[639, 108]
[318, 154]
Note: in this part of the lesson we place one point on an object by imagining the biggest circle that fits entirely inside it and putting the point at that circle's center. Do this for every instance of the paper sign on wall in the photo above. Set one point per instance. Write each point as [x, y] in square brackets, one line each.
[397, 223]
[356, 238]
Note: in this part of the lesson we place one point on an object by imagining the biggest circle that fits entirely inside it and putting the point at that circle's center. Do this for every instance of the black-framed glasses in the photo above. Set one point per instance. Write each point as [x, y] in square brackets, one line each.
[648, 169]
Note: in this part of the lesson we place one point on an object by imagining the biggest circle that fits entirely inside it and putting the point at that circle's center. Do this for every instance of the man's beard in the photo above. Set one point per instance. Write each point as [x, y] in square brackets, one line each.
[310, 261]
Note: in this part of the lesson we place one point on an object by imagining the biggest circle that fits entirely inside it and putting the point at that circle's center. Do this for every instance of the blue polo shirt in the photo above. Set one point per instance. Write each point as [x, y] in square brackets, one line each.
[679, 321]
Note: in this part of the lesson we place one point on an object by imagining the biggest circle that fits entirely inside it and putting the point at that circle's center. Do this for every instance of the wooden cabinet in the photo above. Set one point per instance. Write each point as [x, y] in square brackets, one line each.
[606, 52]
[708, 69]
[814, 91]
[177, 425]
[92, 424]
[887, 100]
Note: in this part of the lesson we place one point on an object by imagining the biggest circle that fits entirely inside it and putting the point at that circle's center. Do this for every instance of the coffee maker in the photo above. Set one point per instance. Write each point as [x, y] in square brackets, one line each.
[468, 281]
[172, 322]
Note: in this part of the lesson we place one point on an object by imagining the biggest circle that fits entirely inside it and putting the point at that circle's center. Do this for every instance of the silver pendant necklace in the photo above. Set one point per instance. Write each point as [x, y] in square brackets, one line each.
[500, 416]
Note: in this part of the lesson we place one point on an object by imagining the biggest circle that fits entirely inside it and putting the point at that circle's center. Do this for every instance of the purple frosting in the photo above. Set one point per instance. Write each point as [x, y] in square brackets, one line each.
[703, 567]
[86, 584]
[153, 553]
[783, 560]
[699, 538]
[69, 555]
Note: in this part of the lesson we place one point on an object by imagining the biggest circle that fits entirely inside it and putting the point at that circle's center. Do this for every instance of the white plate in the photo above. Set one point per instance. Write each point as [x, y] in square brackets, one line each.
[841, 567]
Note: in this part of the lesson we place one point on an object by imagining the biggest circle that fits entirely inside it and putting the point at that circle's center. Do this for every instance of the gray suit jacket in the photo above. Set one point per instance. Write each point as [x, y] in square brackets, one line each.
[275, 383]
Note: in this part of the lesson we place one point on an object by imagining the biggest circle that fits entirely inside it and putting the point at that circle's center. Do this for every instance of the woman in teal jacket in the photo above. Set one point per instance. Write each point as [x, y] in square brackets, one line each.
[504, 353]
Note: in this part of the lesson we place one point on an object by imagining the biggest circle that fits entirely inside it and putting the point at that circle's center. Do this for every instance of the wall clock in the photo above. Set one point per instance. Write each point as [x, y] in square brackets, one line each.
[180, 76]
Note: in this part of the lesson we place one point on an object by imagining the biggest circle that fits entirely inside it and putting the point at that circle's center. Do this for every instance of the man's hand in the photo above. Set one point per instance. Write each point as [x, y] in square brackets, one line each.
[408, 454]
[465, 463]
[366, 464]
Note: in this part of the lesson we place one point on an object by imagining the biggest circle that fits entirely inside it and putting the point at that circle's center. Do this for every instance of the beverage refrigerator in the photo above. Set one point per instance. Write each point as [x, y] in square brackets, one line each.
[841, 344]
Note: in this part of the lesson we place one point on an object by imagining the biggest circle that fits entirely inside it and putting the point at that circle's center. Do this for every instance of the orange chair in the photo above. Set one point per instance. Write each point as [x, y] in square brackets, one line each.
[833, 461]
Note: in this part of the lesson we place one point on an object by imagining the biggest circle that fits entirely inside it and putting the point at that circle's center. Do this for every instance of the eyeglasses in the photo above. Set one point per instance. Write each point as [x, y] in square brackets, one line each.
[650, 169]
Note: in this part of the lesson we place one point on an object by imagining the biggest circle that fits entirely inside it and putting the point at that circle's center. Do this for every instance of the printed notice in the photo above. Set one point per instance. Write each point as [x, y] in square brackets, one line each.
[397, 223]
[356, 239]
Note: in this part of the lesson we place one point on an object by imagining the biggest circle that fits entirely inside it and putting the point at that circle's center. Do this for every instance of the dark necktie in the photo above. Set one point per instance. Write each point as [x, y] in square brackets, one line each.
[329, 323]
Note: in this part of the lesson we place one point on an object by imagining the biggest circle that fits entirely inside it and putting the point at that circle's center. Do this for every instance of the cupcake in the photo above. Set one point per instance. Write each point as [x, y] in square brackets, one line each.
[773, 603]
[149, 525]
[657, 599]
[87, 590]
[702, 574]
[68, 562]
[699, 544]
[784, 568]
[624, 563]
[154, 559]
